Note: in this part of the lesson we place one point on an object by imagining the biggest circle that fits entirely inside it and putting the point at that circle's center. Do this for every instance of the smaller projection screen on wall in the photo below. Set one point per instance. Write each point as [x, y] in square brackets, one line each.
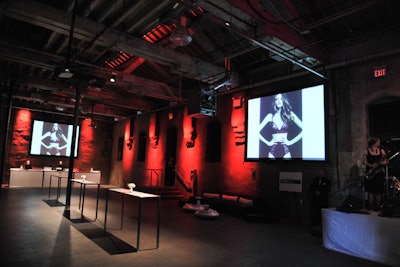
[288, 125]
[52, 139]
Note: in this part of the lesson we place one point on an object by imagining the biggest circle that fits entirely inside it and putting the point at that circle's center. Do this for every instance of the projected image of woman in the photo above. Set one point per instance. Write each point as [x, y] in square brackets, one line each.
[54, 141]
[279, 123]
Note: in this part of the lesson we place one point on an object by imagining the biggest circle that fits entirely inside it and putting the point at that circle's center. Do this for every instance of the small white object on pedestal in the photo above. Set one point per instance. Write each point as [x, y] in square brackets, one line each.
[131, 186]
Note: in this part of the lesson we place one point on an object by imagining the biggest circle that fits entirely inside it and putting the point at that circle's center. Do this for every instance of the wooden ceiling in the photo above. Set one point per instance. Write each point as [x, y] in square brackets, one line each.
[234, 43]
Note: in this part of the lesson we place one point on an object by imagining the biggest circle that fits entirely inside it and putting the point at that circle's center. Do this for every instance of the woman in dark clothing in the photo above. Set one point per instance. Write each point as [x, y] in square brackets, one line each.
[374, 160]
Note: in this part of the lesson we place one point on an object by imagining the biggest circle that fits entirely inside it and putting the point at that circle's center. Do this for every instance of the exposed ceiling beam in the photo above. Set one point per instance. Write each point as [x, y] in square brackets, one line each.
[276, 28]
[134, 84]
[56, 20]
[287, 55]
[230, 14]
[341, 14]
[101, 96]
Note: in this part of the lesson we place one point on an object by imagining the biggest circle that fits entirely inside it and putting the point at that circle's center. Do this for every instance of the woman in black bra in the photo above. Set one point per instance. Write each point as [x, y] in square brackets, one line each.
[279, 121]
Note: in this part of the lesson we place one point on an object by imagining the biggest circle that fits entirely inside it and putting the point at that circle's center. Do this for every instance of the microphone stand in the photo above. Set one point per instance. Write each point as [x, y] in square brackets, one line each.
[387, 174]
[363, 210]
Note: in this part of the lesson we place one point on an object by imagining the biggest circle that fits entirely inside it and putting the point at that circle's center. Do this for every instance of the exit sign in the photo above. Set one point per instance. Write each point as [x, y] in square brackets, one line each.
[380, 71]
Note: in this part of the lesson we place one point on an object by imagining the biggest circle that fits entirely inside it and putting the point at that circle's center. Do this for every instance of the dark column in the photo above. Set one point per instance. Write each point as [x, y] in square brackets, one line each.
[73, 145]
[5, 117]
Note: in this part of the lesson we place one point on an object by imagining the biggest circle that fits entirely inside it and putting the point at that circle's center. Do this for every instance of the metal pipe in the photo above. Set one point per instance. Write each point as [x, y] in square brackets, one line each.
[71, 35]
[256, 42]
[5, 125]
[302, 73]
[73, 145]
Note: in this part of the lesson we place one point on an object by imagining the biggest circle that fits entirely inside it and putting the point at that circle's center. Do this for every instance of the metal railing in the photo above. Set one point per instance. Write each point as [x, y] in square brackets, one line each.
[153, 174]
[187, 185]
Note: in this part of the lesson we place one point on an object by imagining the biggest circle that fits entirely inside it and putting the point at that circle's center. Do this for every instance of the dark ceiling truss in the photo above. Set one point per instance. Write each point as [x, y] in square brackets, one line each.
[289, 55]
[120, 41]
[265, 41]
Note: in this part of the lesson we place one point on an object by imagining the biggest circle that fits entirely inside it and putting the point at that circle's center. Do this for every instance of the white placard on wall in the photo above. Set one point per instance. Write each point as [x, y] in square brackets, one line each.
[291, 181]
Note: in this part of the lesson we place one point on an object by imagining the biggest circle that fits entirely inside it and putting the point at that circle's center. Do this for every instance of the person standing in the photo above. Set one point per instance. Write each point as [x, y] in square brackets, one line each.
[375, 161]
[320, 187]
[170, 172]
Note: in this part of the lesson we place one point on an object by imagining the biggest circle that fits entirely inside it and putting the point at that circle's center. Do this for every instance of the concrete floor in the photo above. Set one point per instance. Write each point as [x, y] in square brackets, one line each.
[36, 232]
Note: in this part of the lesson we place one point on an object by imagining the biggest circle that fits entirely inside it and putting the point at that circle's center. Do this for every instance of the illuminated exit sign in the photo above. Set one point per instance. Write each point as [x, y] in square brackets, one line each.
[380, 71]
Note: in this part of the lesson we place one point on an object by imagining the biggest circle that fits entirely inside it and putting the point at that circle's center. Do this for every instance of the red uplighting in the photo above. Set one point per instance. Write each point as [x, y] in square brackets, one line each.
[188, 131]
[24, 116]
[22, 128]
[238, 125]
[86, 140]
[152, 131]
[127, 155]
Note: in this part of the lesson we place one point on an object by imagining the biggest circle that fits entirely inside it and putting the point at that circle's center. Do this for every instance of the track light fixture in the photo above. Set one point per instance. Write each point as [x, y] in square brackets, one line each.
[113, 78]
[129, 144]
[66, 74]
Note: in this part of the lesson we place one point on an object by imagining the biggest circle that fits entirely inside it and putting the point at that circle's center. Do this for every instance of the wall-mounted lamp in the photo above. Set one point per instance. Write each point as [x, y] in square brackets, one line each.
[129, 144]
[238, 120]
[113, 78]
[237, 101]
[189, 131]
[92, 124]
[154, 130]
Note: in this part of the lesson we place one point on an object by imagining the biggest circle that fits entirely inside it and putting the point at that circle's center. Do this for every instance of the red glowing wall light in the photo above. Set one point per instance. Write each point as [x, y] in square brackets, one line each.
[238, 118]
[188, 131]
[24, 116]
[86, 140]
[22, 128]
[153, 135]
